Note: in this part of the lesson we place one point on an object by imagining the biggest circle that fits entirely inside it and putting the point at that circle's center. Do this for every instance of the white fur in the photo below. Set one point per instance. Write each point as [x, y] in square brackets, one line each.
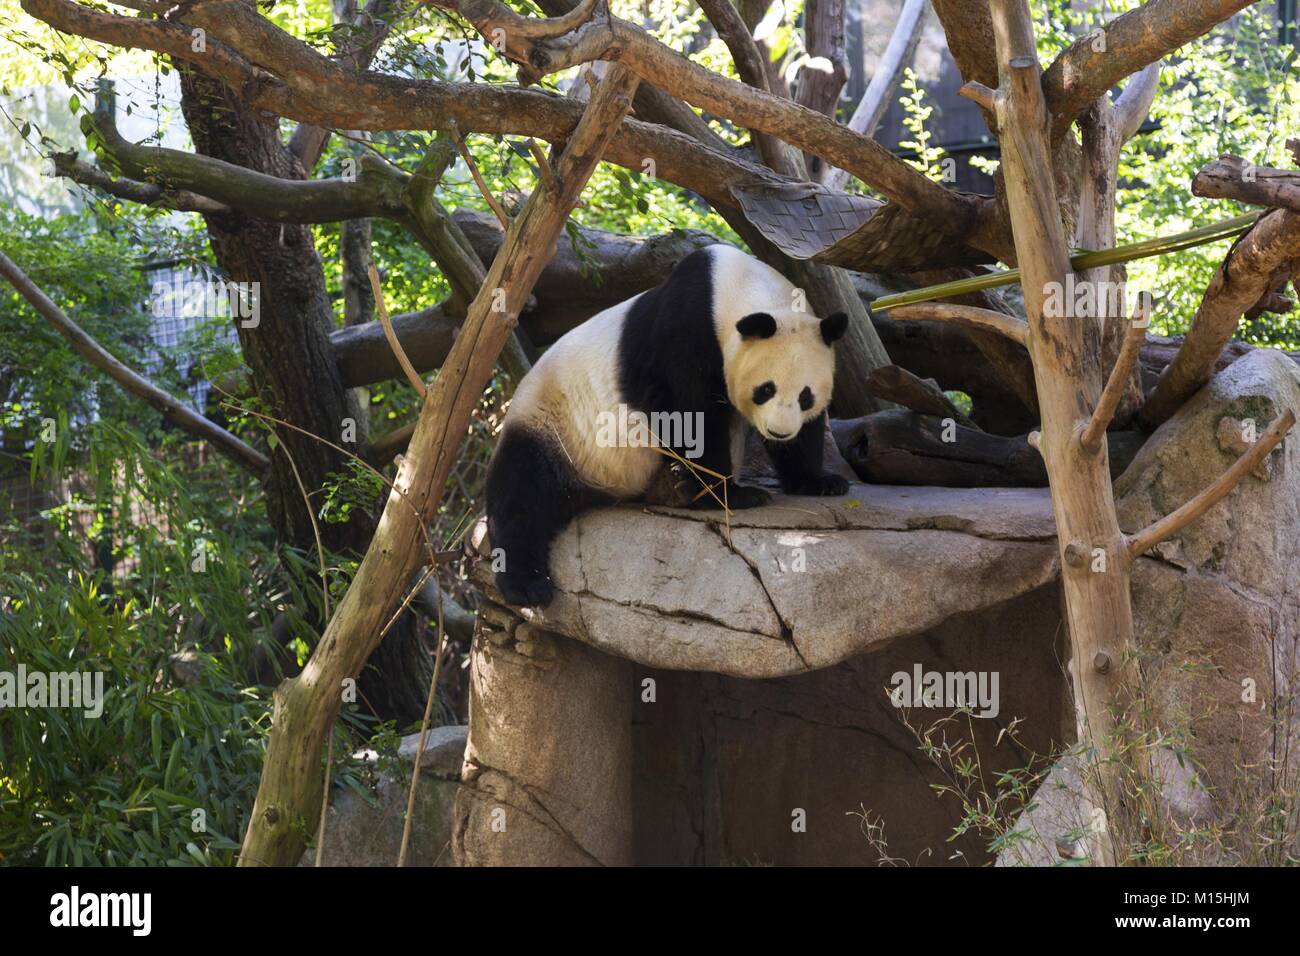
[574, 381]
[795, 357]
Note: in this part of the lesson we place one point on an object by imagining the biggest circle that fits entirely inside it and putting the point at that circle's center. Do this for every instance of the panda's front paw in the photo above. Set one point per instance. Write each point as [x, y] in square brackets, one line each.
[735, 497]
[743, 496]
[823, 486]
[525, 589]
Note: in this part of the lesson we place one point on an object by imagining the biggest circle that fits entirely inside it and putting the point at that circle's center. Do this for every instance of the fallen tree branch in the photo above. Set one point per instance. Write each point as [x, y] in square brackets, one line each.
[131, 381]
[1007, 325]
[305, 707]
[1246, 275]
[921, 395]
[901, 447]
[1207, 498]
[1231, 177]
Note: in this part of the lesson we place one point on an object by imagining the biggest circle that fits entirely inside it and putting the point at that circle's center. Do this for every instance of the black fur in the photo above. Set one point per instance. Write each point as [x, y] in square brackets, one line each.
[833, 327]
[798, 462]
[532, 493]
[669, 360]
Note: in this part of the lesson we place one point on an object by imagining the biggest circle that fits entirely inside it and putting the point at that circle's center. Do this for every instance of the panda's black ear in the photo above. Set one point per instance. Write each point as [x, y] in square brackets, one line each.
[756, 325]
[834, 326]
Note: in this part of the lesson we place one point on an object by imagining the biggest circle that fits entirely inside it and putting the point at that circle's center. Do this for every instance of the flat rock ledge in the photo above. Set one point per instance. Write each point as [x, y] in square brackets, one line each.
[800, 584]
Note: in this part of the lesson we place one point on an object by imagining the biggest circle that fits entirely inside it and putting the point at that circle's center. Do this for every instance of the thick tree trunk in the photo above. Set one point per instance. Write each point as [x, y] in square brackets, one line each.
[288, 351]
[1066, 355]
[294, 374]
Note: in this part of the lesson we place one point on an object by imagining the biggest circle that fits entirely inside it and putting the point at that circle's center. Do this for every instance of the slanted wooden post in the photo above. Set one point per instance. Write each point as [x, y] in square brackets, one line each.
[288, 799]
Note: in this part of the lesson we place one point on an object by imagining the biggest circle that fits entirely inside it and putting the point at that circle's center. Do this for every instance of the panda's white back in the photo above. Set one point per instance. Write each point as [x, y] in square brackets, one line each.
[564, 396]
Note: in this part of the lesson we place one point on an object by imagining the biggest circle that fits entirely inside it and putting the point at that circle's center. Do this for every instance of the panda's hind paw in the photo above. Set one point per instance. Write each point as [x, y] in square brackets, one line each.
[823, 486]
[525, 590]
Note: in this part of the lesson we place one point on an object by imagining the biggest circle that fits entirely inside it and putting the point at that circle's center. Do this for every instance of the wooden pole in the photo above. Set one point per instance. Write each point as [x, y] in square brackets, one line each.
[288, 798]
[1094, 552]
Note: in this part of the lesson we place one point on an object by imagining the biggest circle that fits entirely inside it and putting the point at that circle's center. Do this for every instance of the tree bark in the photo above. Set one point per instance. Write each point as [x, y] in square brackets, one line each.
[288, 352]
[1067, 371]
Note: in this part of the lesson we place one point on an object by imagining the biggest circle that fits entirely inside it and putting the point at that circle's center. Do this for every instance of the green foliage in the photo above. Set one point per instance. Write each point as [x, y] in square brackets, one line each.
[124, 787]
[1232, 92]
[94, 277]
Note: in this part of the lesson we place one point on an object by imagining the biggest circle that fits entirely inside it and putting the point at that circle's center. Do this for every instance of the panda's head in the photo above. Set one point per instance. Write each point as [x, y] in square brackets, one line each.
[781, 370]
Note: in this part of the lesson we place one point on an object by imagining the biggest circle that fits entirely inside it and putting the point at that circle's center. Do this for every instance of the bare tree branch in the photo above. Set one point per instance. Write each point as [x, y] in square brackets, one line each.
[1231, 177]
[609, 38]
[969, 31]
[1120, 375]
[286, 803]
[147, 194]
[822, 78]
[751, 69]
[1011, 327]
[875, 101]
[1246, 275]
[330, 96]
[364, 33]
[1134, 101]
[1207, 498]
[131, 381]
[1093, 64]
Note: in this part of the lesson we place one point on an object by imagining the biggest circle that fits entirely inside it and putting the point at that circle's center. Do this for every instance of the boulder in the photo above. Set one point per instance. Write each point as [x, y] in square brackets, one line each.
[1216, 609]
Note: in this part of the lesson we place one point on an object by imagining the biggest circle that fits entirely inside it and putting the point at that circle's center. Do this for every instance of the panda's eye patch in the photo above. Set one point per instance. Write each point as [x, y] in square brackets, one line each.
[765, 392]
[806, 398]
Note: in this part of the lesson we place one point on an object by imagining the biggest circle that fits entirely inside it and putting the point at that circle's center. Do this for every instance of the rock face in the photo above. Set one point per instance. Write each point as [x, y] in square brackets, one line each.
[359, 832]
[1217, 609]
[768, 595]
[640, 718]
[704, 691]
[1219, 605]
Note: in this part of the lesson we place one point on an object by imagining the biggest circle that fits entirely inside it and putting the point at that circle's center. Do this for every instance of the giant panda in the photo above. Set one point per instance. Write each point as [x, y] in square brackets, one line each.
[724, 341]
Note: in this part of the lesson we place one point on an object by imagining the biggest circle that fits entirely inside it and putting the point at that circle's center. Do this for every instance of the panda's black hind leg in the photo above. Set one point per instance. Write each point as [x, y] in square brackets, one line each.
[531, 496]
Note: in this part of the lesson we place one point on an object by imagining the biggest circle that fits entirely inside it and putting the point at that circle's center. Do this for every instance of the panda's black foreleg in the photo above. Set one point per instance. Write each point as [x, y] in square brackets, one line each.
[531, 495]
[799, 462]
[715, 461]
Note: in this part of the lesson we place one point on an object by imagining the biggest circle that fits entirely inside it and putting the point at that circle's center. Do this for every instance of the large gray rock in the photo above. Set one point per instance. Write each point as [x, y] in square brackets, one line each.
[367, 831]
[796, 585]
[1216, 608]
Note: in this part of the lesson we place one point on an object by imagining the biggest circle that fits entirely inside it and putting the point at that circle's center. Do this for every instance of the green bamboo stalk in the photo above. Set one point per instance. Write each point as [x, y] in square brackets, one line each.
[1079, 261]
